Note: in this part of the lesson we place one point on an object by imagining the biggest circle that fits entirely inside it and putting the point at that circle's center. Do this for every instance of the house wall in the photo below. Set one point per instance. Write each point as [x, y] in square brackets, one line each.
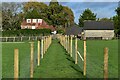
[105, 34]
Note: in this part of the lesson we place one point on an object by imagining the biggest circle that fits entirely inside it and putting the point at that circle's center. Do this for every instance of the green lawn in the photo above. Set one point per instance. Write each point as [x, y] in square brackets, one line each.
[95, 57]
[8, 58]
[57, 64]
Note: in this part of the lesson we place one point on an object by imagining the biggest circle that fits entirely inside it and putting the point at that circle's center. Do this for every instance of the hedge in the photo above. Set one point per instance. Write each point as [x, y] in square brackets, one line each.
[26, 32]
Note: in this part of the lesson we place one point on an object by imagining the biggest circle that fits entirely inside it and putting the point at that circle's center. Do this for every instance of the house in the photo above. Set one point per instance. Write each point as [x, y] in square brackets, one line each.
[35, 24]
[98, 29]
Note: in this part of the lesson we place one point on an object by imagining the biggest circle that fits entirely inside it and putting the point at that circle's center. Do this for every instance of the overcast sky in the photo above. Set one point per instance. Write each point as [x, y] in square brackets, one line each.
[103, 8]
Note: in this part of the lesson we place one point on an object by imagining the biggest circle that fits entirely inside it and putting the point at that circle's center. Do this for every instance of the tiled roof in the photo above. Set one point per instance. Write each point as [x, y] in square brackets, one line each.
[74, 30]
[98, 25]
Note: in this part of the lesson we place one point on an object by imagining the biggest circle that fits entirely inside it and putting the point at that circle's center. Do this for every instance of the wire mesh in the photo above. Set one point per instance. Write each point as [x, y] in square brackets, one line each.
[95, 57]
[25, 62]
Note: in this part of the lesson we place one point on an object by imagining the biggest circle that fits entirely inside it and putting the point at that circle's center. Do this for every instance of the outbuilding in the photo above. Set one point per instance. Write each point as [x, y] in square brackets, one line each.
[98, 29]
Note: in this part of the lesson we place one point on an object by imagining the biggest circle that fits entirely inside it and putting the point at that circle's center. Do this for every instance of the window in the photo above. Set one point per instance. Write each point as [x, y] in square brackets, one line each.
[39, 20]
[28, 20]
[34, 20]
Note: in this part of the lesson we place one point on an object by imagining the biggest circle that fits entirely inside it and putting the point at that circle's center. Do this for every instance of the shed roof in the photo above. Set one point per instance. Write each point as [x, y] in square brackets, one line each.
[75, 30]
[98, 25]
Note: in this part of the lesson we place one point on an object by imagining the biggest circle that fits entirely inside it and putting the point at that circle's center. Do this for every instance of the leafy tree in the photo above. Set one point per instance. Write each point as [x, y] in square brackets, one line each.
[10, 18]
[39, 6]
[33, 15]
[116, 26]
[105, 19]
[35, 10]
[68, 15]
[60, 15]
[118, 13]
[86, 15]
[55, 11]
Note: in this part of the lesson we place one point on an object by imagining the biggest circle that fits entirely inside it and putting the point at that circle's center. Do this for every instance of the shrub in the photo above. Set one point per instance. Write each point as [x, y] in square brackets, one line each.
[27, 32]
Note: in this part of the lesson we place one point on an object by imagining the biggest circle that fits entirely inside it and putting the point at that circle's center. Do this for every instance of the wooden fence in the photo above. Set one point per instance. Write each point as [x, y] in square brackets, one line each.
[20, 38]
[66, 41]
[42, 45]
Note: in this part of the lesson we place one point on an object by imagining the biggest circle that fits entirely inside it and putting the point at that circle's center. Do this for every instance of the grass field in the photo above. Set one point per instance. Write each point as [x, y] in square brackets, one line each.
[57, 64]
[8, 58]
[94, 59]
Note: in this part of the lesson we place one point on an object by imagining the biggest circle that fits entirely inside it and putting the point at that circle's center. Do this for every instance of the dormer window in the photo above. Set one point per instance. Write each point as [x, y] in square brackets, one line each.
[28, 20]
[39, 20]
[34, 20]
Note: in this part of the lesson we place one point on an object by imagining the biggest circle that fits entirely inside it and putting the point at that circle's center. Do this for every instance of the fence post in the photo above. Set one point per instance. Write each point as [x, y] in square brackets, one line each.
[38, 53]
[71, 46]
[29, 38]
[6, 39]
[42, 47]
[46, 44]
[76, 58]
[31, 60]
[14, 39]
[84, 57]
[21, 38]
[106, 63]
[68, 45]
[62, 39]
[36, 37]
[64, 42]
[16, 64]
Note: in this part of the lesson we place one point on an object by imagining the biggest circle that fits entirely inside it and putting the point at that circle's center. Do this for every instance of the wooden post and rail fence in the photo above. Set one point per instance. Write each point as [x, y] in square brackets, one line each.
[42, 47]
[67, 42]
[19, 38]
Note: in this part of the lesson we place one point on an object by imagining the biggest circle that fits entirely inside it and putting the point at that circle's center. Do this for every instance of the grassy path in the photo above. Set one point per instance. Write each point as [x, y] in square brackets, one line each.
[57, 64]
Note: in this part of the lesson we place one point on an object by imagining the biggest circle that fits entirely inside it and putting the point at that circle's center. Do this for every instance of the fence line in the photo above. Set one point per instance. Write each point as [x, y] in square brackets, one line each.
[42, 45]
[20, 38]
[66, 42]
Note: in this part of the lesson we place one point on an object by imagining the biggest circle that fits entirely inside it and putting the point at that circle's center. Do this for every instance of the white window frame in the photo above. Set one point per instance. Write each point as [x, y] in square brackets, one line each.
[40, 20]
[28, 20]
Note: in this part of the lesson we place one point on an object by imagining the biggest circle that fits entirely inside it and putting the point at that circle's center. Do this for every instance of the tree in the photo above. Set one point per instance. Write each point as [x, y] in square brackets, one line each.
[10, 18]
[35, 10]
[60, 15]
[55, 11]
[105, 19]
[33, 15]
[118, 23]
[86, 15]
[116, 26]
[68, 15]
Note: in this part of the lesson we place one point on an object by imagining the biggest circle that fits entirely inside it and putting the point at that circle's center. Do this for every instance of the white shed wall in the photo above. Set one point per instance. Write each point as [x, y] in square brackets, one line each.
[99, 33]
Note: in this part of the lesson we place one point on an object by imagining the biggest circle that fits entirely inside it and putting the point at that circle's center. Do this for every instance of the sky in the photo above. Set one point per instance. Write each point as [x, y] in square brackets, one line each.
[102, 8]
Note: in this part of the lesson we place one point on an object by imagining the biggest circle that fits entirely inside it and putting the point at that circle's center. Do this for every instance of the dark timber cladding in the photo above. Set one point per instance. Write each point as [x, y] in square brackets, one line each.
[98, 25]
